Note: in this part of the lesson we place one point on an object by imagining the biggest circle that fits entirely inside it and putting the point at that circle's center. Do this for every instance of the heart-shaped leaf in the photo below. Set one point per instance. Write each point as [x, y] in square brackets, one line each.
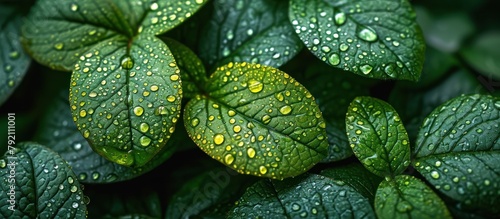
[14, 61]
[256, 31]
[377, 39]
[305, 196]
[59, 132]
[192, 70]
[458, 150]
[377, 136]
[58, 32]
[125, 98]
[257, 120]
[38, 183]
[408, 197]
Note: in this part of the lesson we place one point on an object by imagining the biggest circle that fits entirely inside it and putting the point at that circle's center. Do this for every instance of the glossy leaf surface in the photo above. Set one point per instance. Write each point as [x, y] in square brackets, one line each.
[255, 31]
[458, 150]
[126, 100]
[41, 184]
[305, 196]
[408, 197]
[377, 39]
[377, 136]
[257, 120]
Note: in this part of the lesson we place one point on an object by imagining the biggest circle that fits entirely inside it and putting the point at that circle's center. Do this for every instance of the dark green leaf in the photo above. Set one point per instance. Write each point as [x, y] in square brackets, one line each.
[257, 120]
[408, 197]
[334, 90]
[483, 54]
[377, 39]
[207, 191]
[305, 196]
[58, 32]
[357, 177]
[377, 136]
[14, 62]
[60, 133]
[113, 201]
[38, 183]
[192, 69]
[125, 98]
[458, 149]
[256, 31]
[447, 31]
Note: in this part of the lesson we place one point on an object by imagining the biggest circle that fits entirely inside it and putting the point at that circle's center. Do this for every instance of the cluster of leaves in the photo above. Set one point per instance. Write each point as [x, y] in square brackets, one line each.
[292, 94]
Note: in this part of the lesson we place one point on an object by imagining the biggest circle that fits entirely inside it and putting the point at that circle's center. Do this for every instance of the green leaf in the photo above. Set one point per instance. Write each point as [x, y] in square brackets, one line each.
[58, 32]
[255, 31]
[38, 183]
[333, 93]
[305, 196]
[14, 62]
[483, 55]
[377, 136]
[408, 197]
[60, 133]
[377, 39]
[125, 98]
[458, 150]
[192, 69]
[257, 120]
[357, 177]
[207, 191]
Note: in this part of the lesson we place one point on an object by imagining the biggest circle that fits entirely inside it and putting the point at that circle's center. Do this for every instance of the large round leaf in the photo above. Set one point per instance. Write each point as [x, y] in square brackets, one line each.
[38, 183]
[378, 39]
[458, 150]
[125, 98]
[257, 120]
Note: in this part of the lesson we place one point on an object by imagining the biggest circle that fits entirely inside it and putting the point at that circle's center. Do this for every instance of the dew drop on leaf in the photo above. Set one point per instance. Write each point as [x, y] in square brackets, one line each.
[229, 159]
[367, 34]
[340, 18]
[255, 86]
[334, 59]
[127, 62]
[218, 139]
[366, 69]
[145, 141]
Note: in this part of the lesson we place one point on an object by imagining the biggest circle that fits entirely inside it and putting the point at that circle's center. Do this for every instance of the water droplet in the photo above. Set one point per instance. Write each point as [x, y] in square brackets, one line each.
[144, 127]
[154, 88]
[14, 54]
[438, 163]
[3, 164]
[230, 35]
[334, 59]
[435, 174]
[83, 113]
[145, 141]
[340, 18]
[367, 34]
[138, 111]
[74, 7]
[82, 176]
[389, 70]
[237, 128]
[479, 131]
[77, 146]
[285, 110]
[295, 207]
[266, 119]
[249, 32]
[74, 205]
[255, 86]
[73, 188]
[229, 159]
[497, 104]
[262, 170]
[127, 62]
[395, 43]
[251, 152]
[366, 69]
[344, 47]
[154, 6]
[59, 46]
[195, 122]
[11, 83]
[218, 139]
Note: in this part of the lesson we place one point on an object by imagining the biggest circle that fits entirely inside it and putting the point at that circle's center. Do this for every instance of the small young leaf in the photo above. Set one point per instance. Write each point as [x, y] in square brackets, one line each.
[333, 93]
[356, 176]
[257, 120]
[255, 31]
[208, 190]
[58, 32]
[14, 62]
[377, 136]
[125, 99]
[408, 197]
[38, 183]
[458, 150]
[305, 196]
[192, 69]
[377, 39]
[59, 132]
